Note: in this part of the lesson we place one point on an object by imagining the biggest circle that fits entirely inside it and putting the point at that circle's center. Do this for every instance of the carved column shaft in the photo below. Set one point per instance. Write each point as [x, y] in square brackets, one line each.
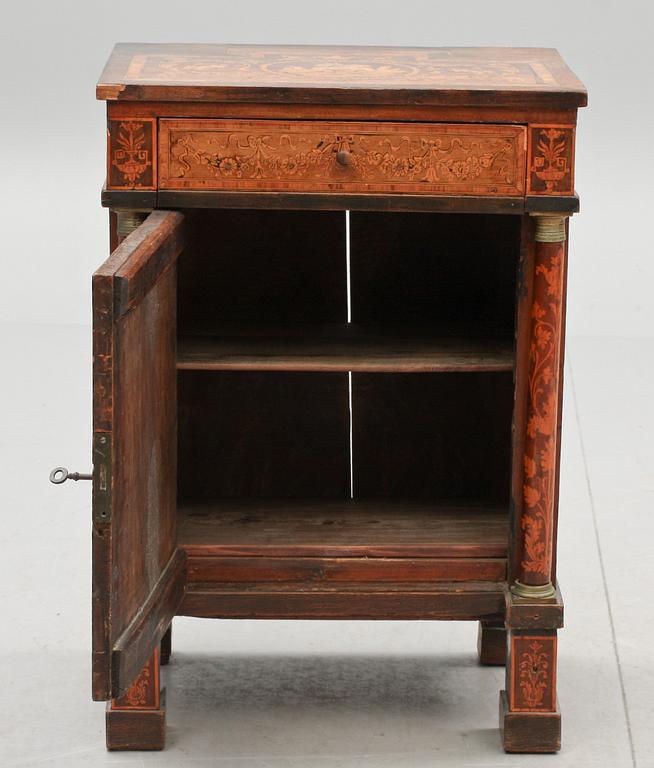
[539, 471]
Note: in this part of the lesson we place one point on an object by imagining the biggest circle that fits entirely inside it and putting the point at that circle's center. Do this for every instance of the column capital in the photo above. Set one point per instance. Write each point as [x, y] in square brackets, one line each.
[549, 228]
[128, 219]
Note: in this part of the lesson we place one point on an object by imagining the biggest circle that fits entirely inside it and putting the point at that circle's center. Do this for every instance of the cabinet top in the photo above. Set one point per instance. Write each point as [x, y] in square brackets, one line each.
[499, 77]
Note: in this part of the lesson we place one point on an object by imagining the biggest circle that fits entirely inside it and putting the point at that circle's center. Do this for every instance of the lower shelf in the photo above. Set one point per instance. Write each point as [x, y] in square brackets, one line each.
[341, 528]
[343, 559]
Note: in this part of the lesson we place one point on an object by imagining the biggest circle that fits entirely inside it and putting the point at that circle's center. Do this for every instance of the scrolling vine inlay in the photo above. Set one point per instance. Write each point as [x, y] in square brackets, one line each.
[540, 448]
[143, 693]
[376, 157]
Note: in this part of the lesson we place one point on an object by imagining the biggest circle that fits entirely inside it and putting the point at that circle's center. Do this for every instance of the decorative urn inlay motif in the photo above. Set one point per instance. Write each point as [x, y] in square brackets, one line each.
[551, 160]
[533, 661]
[131, 158]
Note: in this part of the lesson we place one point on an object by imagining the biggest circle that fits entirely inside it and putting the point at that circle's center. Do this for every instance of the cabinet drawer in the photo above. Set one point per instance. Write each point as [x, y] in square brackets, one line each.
[317, 156]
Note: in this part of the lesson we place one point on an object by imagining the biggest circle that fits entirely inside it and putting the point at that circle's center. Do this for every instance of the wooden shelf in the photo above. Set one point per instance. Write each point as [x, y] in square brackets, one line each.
[327, 528]
[343, 348]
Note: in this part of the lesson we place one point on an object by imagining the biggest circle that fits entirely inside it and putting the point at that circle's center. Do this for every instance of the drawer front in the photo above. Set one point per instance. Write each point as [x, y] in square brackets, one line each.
[316, 156]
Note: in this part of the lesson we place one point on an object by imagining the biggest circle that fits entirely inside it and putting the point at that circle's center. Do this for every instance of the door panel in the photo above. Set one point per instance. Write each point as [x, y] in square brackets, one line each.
[134, 479]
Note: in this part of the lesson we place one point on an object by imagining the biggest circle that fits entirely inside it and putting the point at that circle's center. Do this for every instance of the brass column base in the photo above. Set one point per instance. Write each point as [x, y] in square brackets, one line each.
[538, 592]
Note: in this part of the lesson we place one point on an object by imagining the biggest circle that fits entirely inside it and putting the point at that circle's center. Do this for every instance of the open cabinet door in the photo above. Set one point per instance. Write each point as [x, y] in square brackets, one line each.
[138, 574]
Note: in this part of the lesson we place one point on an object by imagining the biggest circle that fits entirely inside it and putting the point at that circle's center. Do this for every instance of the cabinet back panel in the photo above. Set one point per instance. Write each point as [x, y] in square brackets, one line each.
[262, 266]
[432, 436]
[435, 268]
[263, 435]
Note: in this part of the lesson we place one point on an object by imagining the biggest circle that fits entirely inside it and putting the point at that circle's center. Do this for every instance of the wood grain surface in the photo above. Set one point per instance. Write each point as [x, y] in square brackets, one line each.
[416, 158]
[406, 348]
[333, 528]
[134, 490]
[456, 601]
[346, 74]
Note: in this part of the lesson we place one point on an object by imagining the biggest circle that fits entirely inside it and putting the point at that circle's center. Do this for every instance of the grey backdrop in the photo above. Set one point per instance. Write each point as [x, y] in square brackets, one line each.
[52, 128]
[300, 694]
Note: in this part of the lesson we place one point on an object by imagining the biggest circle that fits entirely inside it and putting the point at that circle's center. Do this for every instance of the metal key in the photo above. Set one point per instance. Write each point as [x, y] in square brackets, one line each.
[61, 474]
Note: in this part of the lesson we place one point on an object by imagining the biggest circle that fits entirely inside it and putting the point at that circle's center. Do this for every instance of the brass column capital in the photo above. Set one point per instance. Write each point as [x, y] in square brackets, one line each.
[128, 219]
[549, 228]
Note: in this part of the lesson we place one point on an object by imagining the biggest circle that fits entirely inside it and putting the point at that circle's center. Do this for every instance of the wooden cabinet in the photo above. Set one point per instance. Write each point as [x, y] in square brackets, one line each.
[328, 346]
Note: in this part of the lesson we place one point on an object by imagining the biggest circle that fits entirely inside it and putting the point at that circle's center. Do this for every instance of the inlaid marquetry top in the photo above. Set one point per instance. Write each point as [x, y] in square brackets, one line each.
[512, 77]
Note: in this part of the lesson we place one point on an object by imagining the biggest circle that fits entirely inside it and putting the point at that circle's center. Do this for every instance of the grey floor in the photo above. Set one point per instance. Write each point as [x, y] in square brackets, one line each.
[326, 694]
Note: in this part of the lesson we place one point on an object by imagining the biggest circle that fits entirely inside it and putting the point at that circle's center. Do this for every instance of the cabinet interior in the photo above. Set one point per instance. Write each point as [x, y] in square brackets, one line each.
[345, 382]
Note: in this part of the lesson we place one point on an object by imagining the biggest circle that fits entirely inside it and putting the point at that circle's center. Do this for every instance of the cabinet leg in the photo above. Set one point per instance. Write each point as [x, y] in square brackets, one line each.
[166, 646]
[529, 716]
[137, 720]
[491, 643]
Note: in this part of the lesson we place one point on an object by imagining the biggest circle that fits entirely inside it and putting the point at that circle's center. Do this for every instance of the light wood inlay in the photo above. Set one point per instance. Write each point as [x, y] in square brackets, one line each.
[349, 156]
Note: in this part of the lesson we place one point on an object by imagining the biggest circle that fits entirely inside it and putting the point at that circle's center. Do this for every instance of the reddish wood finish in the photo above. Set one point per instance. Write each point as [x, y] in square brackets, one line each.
[207, 569]
[328, 528]
[341, 348]
[132, 154]
[143, 692]
[136, 720]
[531, 671]
[491, 643]
[537, 512]
[500, 77]
[457, 601]
[147, 628]
[529, 716]
[134, 434]
[551, 160]
[534, 732]
[230, 386]
[426, 113]
[534, 613]
[354, 157]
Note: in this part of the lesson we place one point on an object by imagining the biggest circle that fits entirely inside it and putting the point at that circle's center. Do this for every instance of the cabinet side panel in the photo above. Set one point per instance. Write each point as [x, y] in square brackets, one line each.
[145, 421]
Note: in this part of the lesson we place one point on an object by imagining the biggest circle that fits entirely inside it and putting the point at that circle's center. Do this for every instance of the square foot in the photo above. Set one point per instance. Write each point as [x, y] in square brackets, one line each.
[491, 645]
[529, 732]
[136, 729]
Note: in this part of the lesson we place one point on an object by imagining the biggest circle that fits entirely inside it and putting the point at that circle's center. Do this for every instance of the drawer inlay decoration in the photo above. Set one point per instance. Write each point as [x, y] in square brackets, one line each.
[131, 154]
[370, 157]
[551, 160]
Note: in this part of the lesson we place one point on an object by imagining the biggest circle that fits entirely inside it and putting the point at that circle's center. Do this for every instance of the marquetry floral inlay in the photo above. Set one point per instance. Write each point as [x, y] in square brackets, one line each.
[551, 160]
[288, 66]
[138, 693]
[540, 449]
[534, 675]
[130, 154]
[489, 162]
